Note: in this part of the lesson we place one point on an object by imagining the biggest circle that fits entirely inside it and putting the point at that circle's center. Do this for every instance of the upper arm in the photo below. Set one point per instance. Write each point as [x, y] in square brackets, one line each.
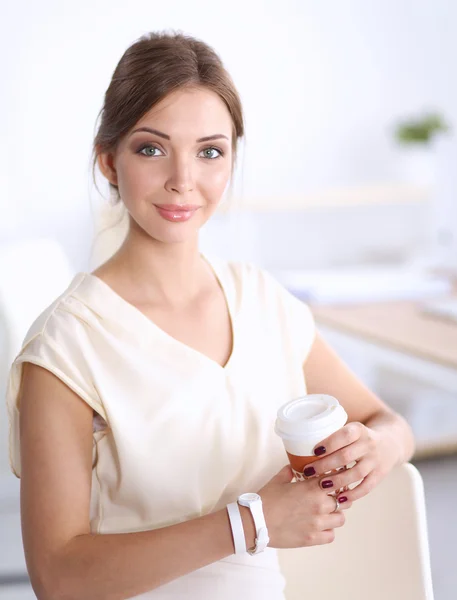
[326, 373]
[56, 467]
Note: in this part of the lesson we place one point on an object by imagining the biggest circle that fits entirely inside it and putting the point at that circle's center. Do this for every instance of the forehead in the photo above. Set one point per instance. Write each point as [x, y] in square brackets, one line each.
[190, 113]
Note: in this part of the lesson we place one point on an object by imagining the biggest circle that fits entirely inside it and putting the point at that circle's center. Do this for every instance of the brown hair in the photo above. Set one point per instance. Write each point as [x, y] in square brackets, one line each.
[155, 65]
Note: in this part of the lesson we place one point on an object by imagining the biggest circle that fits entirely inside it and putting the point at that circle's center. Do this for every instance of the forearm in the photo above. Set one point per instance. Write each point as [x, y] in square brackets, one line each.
[123, 565]
[397, 431]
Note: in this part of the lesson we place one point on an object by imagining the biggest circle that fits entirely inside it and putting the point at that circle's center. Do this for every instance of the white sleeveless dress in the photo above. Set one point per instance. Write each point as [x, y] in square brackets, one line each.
[183, 436]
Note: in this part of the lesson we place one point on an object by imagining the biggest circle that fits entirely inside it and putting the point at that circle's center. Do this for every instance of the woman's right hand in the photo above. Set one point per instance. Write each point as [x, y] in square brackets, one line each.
[299, 514]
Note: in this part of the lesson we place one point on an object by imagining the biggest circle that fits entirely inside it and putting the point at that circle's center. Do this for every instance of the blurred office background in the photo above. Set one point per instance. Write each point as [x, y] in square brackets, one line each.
[325, 196]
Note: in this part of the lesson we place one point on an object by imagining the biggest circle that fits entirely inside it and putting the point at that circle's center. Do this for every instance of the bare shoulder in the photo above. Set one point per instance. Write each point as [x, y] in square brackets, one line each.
[56, 465]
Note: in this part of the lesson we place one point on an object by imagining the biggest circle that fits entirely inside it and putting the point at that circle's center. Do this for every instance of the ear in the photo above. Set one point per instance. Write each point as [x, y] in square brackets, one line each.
[105, 161]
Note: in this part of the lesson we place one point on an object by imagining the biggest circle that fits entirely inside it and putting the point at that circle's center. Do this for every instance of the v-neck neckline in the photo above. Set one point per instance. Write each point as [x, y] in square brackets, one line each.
[138, 315]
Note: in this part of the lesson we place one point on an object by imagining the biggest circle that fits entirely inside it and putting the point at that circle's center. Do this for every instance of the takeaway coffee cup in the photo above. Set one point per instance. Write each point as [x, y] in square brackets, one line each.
[303, 423]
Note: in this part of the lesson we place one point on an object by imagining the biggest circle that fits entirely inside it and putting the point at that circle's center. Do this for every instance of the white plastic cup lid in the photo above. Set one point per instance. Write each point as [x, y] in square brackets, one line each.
[308, 416]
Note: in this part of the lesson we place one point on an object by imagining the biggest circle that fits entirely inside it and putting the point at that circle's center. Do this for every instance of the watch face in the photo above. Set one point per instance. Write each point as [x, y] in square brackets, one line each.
[250, 497]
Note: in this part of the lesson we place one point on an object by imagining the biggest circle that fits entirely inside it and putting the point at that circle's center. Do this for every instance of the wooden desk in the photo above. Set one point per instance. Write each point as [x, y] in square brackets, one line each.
[399, 325]
[386, 339]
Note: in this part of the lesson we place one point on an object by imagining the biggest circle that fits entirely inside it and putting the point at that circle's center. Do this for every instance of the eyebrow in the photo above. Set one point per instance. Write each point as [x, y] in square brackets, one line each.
[207, 138]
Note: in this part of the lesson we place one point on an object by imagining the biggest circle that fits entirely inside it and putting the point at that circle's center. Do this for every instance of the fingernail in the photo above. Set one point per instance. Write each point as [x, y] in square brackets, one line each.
[319, 451]
[309, 471]
[342, 499]
[327, 483]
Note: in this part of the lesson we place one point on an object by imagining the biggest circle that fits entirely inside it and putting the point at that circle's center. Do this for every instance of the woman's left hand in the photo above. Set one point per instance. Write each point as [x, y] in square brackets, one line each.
[372, 450]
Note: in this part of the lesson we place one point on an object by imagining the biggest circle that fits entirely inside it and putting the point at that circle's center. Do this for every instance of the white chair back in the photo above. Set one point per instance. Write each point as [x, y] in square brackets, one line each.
[33, 273]
[381, 552]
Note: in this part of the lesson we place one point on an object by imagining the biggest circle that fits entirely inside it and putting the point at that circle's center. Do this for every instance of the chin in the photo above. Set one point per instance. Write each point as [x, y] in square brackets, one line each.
[173, 233]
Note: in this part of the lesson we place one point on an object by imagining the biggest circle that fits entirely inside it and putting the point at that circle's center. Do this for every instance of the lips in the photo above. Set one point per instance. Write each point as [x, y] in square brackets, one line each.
[176, 213]
[177, 207]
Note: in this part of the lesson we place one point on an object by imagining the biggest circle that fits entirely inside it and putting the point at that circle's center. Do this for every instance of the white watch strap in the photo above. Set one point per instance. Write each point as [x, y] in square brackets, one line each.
[260, 527]
[236, 523]
[257, 515]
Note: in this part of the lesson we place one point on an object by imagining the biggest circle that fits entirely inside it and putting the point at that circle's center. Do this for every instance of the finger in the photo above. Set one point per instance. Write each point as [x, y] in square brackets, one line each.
[325, 504]
[329, 521]
[313, 485]
[318, 538]
[364, 488]
[335, 520]
[322, 504]
[285, 475]
[344, 505]
[347, 477]
[341, 458]
[348, 434]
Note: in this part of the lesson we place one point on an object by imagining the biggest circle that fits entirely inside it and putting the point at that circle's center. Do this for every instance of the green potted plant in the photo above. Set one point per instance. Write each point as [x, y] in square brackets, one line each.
[416, 138]
[421, 131]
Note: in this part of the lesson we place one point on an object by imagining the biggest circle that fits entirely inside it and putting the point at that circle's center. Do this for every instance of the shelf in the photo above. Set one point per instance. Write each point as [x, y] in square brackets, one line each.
[365, 195]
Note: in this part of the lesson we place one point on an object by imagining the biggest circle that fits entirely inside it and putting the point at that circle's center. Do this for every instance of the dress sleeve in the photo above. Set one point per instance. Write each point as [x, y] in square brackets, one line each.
[295, 315]
[60, 347]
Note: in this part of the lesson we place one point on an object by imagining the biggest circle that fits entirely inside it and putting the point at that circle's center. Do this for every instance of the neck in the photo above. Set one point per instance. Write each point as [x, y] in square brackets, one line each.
[171, 273]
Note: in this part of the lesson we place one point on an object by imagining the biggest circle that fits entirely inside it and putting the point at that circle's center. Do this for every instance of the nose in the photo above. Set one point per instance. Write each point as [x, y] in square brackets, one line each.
[180, 177]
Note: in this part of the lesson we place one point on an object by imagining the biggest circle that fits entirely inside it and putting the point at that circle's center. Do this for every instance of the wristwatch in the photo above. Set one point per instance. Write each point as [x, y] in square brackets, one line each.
[254, 503]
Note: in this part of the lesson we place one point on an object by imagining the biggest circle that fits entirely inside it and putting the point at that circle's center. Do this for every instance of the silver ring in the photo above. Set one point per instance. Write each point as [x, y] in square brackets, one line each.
[337, 504]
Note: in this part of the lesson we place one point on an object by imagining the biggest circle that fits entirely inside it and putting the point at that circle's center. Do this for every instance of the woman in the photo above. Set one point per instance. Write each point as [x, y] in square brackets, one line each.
[145, 395]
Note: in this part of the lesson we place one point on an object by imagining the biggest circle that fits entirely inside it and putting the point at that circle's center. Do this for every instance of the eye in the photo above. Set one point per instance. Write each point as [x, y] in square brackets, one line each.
[148, 147]
[208, 153]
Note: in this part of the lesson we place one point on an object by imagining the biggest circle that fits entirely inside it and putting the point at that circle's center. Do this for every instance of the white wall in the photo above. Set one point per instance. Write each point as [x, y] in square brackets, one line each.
[322, 83]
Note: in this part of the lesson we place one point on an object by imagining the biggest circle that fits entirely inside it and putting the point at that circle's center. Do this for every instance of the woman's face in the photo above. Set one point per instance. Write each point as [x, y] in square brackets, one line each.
[171, 179]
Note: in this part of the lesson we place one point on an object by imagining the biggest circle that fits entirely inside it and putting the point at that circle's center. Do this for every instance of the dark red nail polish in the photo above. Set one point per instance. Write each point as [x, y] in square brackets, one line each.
[342, 499]
[309, 471]
[320, 451]
[327, 483]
